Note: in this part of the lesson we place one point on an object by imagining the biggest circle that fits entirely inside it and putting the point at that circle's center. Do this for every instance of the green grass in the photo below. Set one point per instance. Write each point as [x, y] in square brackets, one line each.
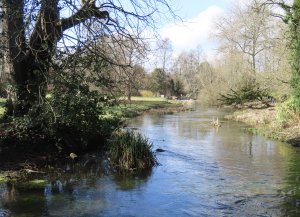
[152, 99]
[131, 151]
[139, 105]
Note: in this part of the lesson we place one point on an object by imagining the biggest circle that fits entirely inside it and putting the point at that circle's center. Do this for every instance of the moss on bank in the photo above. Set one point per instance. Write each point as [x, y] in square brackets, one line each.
[266, 122]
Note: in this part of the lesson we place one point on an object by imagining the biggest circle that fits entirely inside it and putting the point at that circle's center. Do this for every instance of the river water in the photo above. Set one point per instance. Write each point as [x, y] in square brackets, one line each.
[204, 171]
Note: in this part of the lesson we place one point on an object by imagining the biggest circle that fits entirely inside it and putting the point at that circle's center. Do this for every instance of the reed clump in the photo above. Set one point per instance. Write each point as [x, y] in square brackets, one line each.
[130, 151]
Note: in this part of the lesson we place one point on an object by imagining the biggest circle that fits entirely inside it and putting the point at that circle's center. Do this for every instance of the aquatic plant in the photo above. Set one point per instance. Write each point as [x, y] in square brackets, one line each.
[130, 151]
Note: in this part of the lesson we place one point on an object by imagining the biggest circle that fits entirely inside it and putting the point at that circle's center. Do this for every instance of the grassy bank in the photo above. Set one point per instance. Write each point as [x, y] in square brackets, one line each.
[266, 122]
[139, 105]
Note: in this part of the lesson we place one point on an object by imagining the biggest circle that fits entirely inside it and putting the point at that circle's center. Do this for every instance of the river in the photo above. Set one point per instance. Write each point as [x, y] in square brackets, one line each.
[204, 171]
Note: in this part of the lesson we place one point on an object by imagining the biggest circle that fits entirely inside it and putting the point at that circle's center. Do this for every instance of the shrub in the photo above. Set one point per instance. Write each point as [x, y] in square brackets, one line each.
[131, 151]
[68, 119]
[245, 93]
[147, 93]
[288, 110]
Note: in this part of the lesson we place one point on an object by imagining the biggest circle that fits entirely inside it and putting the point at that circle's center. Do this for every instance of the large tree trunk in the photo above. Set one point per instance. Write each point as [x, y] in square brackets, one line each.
[26, 66]
[14, 64]
[27, 58]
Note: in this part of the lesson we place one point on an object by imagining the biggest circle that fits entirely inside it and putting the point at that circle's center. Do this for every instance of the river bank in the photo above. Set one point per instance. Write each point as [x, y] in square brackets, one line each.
[204, 171]
[265, 121]
[22, 165]
[149, 105]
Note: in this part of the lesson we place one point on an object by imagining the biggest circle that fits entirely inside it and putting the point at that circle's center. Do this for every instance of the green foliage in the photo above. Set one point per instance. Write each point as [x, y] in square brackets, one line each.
[245, 93]
[288, 110]
[159, 81]
[131, 151]
[139, 105]
[177, 87]
[293, 19]
[162, 83]
[70, 118]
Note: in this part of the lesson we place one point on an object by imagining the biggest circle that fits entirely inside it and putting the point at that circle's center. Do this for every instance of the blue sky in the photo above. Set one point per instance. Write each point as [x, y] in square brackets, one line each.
[198, 26]
[188, 9]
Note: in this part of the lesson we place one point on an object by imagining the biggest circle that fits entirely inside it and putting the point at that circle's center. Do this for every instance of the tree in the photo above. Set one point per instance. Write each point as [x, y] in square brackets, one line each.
[70, 50]
[292, 18]
[37, 33]
[186, 67]
[128, 78]
[248, 29]
[164, 53]
[177, 86]
[159, 82]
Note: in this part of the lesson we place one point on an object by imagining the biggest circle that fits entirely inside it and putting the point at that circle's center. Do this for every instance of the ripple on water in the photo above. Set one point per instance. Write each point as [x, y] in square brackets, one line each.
[4, 213]
[203, 172]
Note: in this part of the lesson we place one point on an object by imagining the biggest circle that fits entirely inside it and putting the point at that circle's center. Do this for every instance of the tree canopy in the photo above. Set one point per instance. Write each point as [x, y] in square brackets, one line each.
[61, 61]
[36, 34]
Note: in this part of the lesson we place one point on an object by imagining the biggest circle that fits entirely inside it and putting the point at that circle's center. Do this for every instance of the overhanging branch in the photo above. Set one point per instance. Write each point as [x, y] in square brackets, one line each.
[88, 10]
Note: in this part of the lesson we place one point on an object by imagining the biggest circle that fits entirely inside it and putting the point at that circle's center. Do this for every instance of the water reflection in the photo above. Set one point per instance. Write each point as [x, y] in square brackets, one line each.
[205, 171]
[22, 202]
[290, 192]
[132, 181]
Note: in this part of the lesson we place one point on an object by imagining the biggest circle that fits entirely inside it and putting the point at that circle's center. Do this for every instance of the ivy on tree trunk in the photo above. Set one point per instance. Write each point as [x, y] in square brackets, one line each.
[27, 57]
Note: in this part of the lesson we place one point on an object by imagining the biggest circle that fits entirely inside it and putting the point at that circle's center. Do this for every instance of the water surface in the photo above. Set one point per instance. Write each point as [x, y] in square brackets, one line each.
[205, 171]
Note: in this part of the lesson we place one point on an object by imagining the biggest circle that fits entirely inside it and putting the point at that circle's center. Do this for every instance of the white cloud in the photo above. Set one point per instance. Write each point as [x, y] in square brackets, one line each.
[193, 32]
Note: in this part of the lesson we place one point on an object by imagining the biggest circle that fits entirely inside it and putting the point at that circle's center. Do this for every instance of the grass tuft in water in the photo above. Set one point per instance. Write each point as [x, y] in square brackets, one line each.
[131, 151]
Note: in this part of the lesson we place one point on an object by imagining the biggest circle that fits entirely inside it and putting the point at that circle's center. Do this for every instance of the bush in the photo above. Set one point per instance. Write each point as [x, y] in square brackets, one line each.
[147, 93]
[131, 151]
[248, 92]
[68, 119]
[288, 110]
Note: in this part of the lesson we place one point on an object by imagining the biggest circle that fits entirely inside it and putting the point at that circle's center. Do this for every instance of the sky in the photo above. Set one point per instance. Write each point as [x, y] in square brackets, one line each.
[197, 27]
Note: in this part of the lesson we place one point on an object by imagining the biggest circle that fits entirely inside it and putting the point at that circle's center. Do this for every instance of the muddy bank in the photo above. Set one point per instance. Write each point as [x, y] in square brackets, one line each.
[265, 122]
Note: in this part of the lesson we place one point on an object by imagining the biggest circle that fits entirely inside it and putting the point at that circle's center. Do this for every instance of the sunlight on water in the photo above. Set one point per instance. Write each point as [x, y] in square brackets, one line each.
[204, 171]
